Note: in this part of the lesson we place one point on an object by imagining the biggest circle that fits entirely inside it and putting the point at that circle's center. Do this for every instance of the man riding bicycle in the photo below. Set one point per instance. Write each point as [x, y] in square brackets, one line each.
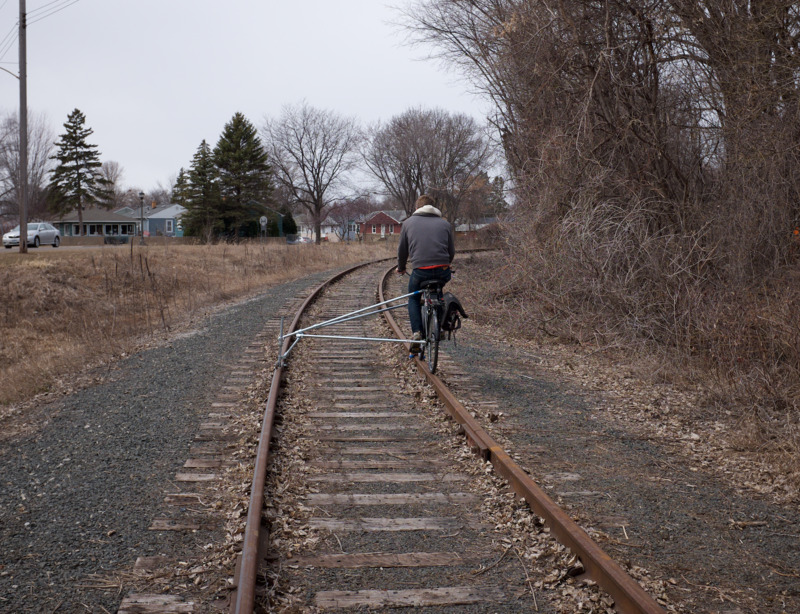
[427, 239]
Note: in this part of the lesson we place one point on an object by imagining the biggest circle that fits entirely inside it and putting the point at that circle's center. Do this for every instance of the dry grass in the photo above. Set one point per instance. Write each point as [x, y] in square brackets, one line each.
[64, 310]
[740, 345]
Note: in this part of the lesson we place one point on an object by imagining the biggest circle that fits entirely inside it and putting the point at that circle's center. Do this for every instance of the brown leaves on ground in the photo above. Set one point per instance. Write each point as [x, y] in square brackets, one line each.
[735, 431]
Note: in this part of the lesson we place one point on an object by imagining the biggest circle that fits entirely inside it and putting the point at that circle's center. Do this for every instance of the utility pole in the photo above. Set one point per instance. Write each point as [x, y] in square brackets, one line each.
[23, 131]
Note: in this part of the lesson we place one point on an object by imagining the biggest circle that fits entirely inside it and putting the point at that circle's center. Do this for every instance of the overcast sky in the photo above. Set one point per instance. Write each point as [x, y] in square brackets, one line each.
[156, 77]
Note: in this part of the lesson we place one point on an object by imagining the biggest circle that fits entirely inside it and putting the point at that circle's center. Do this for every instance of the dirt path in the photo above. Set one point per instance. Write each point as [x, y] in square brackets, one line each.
[637, 485]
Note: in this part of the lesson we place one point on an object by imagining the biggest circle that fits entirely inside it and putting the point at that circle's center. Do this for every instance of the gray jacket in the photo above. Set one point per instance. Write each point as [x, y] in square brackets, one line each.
[426, 239]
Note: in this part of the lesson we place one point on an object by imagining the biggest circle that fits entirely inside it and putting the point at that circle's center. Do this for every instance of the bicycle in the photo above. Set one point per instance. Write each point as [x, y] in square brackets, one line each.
[432, 307]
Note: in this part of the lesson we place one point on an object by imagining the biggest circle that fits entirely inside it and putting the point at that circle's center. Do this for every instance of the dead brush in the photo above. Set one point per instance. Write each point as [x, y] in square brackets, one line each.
[752, 347]
[65, 310]
[606, 280]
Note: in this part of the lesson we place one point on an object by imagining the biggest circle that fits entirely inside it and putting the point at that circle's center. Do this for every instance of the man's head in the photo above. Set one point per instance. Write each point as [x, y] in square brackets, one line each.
[424, 200]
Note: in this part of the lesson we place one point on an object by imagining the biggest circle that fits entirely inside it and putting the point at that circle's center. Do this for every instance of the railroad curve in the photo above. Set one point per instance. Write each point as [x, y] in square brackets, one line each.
[369, 506]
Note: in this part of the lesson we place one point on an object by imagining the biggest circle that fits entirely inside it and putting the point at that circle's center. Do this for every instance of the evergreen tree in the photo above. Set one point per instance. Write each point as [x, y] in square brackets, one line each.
[280, 220]
[202, 218]
[245, 177]
[289, 225]
[76, 181]
[497, 200]
[180, 191]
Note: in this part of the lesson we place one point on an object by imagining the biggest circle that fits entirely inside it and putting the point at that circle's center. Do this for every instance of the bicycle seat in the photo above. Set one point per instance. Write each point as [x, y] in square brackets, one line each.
[431, 283]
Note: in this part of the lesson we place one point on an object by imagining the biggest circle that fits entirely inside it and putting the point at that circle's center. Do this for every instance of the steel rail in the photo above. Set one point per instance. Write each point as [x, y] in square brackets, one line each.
[629, 597]
[245, 580]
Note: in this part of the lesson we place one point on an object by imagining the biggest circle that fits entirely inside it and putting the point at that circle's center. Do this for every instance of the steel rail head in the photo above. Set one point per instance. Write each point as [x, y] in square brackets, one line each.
[629, 596]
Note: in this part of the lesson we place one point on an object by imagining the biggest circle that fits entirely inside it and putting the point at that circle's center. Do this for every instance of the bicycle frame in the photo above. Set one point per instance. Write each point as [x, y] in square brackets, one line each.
[430, 300]
[431, 306]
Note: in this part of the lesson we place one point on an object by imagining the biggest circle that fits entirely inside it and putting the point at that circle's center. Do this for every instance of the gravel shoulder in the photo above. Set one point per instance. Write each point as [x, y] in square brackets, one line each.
[79, 490]
[641, 466]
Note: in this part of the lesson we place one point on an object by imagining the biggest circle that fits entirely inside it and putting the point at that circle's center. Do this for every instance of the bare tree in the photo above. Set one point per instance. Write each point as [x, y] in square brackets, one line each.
[312, 152]
[653, 151]
[40, 146]
[112, 172]
[396, 155]
[691, 107]
[429, 151]
[159, 196]
[348, 212]
[477, 203]
[130, 198]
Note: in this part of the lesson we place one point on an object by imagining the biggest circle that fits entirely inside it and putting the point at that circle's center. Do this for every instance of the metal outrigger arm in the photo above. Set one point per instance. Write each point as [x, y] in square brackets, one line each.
[364, 312]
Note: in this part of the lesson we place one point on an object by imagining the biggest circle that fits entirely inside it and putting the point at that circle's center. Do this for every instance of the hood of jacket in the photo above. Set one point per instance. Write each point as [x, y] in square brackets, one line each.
[428, 210]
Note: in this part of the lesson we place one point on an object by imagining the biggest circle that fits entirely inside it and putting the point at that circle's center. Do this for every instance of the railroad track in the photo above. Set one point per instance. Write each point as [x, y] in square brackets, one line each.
[378, 511]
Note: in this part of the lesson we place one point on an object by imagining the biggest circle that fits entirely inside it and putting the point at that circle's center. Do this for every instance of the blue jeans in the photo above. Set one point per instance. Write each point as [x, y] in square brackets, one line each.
[414, 304]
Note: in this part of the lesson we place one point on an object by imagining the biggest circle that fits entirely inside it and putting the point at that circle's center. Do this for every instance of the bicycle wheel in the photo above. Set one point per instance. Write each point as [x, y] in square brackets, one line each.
[432, 340]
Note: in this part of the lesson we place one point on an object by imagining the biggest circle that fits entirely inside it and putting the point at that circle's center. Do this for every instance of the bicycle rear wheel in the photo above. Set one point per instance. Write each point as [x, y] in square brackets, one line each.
[424, 320]
[432, 340]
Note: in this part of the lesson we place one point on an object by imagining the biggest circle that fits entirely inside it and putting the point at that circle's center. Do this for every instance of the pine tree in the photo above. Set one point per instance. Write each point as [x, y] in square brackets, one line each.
[180, 191]
[245, 176]
[497, 200]
[76, 180]
[202, 218]
[289, 225]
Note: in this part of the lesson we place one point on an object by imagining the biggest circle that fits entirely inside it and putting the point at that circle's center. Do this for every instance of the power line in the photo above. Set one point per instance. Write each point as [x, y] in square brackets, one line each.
[55, 10]
[43, 7]
[8, 41]
[14, 29]
[38, 14]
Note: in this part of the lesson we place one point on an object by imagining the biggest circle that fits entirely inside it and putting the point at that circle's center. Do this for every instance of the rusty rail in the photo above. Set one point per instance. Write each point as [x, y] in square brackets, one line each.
[245, 582]
[628, 595]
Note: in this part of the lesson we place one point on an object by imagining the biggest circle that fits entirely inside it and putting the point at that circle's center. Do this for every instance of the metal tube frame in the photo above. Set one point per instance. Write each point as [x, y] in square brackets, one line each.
[346, 317]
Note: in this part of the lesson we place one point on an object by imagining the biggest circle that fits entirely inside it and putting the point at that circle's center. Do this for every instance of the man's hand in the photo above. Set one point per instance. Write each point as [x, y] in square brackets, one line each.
[399, 272]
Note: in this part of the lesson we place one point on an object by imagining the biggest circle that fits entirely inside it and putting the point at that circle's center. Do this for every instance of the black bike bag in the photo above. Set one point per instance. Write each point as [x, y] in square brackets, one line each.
[453, 312]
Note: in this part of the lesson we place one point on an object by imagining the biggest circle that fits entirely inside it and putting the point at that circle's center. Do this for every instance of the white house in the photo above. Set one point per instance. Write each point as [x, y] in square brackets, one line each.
[305, 228]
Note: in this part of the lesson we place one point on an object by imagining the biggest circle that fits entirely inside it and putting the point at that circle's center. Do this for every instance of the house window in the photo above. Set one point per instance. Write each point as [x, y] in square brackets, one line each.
[76, 230]
[168, 225]
[374, 229]
[391, 229]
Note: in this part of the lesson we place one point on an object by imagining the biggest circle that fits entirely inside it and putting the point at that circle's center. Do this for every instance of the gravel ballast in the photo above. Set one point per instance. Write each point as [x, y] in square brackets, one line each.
[80, 491]
[636, 465]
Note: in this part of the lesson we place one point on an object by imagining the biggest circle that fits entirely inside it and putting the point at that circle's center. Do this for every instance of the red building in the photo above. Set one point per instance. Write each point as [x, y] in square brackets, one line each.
[382, 224]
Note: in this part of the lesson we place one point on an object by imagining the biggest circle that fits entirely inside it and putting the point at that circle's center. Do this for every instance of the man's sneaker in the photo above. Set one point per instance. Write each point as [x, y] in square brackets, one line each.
[416, 348]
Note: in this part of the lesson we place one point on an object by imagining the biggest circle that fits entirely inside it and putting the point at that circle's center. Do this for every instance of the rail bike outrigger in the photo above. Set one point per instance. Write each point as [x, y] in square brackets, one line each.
[439, 312]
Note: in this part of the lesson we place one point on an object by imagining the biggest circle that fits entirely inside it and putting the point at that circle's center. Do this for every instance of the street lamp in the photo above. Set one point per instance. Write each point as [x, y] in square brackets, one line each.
[141, 218]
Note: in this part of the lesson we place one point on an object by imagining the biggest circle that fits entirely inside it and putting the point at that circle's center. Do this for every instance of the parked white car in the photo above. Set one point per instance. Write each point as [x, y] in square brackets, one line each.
[38, 233]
